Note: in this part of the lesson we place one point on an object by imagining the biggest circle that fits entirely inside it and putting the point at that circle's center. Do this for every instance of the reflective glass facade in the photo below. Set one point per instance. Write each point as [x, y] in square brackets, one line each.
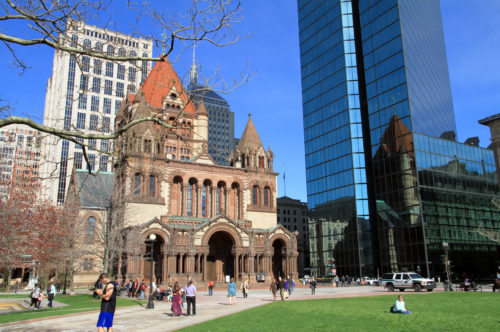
[370, 83]
[457, 184]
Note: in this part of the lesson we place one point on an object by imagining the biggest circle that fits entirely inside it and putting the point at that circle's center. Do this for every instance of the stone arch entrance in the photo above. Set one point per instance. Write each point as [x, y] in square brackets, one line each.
[279, 258]
[220, 260]
[157, 260]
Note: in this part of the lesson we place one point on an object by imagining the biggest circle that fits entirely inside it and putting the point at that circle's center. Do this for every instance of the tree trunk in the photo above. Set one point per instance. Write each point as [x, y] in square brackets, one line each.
[72, 282]
[6, 277]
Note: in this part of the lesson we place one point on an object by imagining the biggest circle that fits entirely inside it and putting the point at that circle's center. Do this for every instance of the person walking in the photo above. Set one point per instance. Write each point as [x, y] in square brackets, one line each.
[343, 281]
[51, 294]
[58, 286]
[231, 292]
[142, 289]
[16, 287]
[183, 297]
[244, 287]
[176, 300]
[274, 288]
[210, 288]
[348, 279]
[191, 297]
[337, 281]
[133, 289]
[289, 285]
[313, 284]
[282, 288]
[40, 298]
[35, 294]
[108, 304]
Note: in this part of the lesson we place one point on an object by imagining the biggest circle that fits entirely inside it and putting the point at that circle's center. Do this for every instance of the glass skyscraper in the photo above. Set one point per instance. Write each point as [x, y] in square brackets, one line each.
[374, 74]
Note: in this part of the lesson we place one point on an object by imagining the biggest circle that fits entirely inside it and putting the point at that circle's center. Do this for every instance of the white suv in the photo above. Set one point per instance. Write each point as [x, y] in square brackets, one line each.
[407, 280]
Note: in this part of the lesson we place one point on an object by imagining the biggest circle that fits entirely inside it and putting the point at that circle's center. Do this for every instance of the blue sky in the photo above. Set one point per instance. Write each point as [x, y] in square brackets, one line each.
[273, 96]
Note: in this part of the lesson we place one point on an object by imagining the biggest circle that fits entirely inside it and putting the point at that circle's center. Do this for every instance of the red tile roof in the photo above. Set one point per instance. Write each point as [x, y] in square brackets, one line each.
[159, 84]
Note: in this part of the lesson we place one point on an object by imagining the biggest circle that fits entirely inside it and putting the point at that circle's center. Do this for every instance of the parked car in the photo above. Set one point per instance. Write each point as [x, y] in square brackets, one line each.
[371, 281]
[407, 280]
[368, 281]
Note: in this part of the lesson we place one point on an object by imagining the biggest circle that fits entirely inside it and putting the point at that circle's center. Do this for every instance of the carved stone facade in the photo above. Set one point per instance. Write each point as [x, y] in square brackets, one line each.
[210, 221]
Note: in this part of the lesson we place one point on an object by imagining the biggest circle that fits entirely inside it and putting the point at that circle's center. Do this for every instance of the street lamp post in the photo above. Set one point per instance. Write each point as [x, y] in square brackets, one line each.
[151, 305]
[447, 263]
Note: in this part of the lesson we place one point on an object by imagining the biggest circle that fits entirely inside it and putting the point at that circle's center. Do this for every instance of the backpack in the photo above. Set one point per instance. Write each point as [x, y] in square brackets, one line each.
[143, 287]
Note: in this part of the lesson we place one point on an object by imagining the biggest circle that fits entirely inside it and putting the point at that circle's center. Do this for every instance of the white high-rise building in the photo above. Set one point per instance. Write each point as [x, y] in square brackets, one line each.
[83, 94]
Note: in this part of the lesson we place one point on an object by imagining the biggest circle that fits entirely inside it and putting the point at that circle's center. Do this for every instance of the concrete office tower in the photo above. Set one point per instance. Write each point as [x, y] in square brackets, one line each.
[19, 160]
[220, 118]
[379, 132]
[84, 94]
[292, 214]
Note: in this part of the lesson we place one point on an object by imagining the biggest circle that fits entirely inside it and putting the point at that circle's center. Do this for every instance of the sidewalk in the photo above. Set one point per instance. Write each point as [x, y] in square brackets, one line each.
[160, 318]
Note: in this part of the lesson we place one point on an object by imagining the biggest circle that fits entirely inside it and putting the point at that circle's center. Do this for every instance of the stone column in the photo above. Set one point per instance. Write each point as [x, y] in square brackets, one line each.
[204, 269]
[198, 201]
[251, 264]
[180, 187]
[141, 267]
[225, 199]
[164, 269]
[184, 201]
[213, 211]
[191, 259]
[236, 270]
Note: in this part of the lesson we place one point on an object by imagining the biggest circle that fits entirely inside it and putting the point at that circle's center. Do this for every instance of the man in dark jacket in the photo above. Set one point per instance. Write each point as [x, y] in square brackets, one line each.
[313, 284]
[282, 288]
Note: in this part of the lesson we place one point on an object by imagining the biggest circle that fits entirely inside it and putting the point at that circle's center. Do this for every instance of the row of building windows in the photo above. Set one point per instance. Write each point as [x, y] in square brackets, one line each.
[91, 165]
[261, 197]
[93, 122]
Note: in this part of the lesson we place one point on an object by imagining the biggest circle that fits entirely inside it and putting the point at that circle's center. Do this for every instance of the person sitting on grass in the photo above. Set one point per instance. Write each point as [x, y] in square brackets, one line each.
[399, 306]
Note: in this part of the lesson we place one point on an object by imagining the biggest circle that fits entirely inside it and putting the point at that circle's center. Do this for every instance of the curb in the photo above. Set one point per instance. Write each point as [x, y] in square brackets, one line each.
[50, 317]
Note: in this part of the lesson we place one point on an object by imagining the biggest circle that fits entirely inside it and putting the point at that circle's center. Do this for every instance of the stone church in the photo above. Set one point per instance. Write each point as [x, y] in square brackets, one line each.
[211, 222]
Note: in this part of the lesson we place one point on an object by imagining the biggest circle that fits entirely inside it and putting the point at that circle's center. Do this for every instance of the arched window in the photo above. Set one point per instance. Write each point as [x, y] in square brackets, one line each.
[206, 198]
[148, 146]
[110, 50]
[87, 44]
[220, 198]
[98, 46]
[261, 162]
[122, 52]
[74, 41]
[266, 196]
[137, 184]
[189, 200]
[179, 191]
[255, 195]
[89, 236]
[204, 201]
[152, 186]
[217, 201]
[236, 199]
[132, 54]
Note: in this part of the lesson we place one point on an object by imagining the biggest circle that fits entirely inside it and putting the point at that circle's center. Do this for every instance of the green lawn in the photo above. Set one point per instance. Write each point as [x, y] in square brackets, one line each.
[431, 312]
[75, 304]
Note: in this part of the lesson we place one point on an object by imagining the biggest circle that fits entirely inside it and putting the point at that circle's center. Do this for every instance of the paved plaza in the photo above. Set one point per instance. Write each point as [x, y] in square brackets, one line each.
[160, 318]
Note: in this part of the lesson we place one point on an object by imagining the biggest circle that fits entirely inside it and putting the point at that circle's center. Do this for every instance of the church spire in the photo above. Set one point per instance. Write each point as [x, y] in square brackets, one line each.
[193, 75]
